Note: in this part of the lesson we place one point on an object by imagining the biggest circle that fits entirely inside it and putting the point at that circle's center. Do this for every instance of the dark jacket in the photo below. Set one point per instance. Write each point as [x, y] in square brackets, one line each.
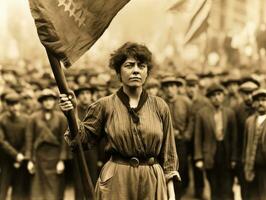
[205, 140]
[41, 131]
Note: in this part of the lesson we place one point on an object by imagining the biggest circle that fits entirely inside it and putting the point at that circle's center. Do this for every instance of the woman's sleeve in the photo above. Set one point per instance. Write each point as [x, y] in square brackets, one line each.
[168, 155]
[92, 127]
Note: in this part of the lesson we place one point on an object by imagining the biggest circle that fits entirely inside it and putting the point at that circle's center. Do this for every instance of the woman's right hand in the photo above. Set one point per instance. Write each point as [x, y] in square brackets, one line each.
[67, 102]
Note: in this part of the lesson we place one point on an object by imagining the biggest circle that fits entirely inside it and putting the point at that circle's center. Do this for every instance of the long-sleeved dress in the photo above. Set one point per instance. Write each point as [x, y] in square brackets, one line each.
[152, 135]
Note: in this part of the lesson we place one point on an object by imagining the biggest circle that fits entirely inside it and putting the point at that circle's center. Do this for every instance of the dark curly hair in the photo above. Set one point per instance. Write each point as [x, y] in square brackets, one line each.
[130, 49]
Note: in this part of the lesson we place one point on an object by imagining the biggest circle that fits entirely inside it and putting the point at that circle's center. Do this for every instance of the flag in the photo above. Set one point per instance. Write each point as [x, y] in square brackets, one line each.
[68, 28]
[198, 22]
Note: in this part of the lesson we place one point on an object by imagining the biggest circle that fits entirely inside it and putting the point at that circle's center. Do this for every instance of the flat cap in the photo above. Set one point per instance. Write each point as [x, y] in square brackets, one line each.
[12, 98]
[82, 88]
[250, 78]
[258, 93]
[248, 86]
[172, 79]
[192, 79]
[229, 80]
[214, 88]
[45, 94]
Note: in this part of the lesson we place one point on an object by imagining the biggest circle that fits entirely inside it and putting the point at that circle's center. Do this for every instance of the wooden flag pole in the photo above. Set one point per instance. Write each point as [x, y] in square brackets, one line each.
[73, 127]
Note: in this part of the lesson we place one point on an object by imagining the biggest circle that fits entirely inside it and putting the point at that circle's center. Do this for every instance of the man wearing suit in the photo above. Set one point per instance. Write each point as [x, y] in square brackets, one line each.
[255, 149]
[12, 145]
[215, 143]
[198, 102]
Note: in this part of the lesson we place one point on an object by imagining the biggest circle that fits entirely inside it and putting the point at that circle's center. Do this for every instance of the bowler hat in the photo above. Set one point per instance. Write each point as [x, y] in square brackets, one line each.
[214, 88]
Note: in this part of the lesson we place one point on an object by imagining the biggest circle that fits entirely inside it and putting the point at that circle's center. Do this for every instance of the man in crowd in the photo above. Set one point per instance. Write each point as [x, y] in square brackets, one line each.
[216, 143]
[84, 99]
[198, 102]
[255, 149]
[232, 97]
[179, 107]
[12, 144]
[243, 110]
[152, 86]
[46, 149]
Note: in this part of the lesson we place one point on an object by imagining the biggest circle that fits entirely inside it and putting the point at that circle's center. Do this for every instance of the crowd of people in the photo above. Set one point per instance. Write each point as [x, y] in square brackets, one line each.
[218, 125]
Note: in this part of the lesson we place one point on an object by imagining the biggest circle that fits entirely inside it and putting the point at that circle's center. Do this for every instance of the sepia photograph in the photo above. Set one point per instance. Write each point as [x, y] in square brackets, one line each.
[133, 100]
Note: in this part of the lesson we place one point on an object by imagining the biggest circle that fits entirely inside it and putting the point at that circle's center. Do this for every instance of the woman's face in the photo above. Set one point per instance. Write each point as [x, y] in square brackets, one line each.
[133, 73]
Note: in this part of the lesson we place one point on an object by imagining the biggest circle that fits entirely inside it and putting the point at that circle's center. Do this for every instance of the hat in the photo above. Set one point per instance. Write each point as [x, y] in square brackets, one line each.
[250, 78]
[230, 79]
[12, 98]
[172, 79]
[192, 79]
[81, 88]
[152, 82]
[46, 93]
[248, 86]
[257, 93]
[214, 88]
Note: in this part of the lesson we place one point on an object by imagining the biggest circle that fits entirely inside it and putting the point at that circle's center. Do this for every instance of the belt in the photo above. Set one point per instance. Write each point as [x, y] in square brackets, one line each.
[134, 161]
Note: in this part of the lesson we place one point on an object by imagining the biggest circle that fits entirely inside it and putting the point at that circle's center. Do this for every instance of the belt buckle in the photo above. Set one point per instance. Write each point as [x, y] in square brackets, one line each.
[134, 161]
[151, 161]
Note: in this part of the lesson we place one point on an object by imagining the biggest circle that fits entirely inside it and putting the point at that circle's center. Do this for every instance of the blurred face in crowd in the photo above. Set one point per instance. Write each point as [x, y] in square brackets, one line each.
[133, 73]
[232, 88]
[181, 89]
[153, 91]
[217, 98]
[27, 101]
[82, 79]
[170, 90]
[247, 97]
[14, 108]
[85, 97]
[48, 103]
[102, 93]
[192, 90]
[261, 104]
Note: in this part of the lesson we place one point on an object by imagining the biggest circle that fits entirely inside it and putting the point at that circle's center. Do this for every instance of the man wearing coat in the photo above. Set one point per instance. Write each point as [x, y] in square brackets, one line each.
[198, 102]
[215, 143]
[12, 144]
[46, 149]
[180, 110]
[243, 110]
[255, 149]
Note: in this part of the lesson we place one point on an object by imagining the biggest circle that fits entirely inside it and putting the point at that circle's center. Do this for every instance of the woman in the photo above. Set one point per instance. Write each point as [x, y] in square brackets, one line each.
[138, 129]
